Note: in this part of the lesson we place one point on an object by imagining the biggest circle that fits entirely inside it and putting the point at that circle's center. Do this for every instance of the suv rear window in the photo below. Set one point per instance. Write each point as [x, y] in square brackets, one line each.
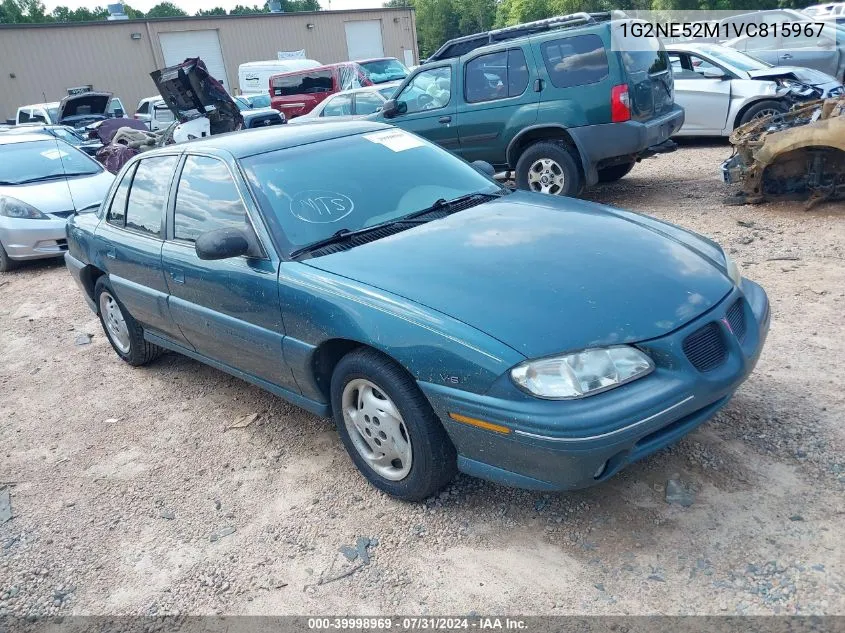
[653, 61]
[575, 61]
[305, 83]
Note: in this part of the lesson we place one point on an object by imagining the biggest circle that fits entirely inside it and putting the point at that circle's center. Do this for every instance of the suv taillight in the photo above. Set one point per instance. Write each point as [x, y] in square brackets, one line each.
[620, 104]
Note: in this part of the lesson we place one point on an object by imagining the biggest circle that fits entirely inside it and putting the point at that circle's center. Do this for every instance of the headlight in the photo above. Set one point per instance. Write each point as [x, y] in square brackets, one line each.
[14, 208]
[582, 373]
[732, 269]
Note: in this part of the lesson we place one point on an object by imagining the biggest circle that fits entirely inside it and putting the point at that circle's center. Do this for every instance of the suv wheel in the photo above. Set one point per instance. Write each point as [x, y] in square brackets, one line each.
[548, 167]
[389, 428]
[612, 174]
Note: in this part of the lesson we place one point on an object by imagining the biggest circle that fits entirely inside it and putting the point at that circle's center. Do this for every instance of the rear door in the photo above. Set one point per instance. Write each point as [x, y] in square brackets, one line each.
[428, 105]
[227, 309]
[129, 242]
[497, 98]
[814, 50]
[646, 66]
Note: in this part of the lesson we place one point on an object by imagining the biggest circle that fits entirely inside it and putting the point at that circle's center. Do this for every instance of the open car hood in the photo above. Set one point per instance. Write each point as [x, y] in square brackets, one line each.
[88, 105]
[190, 92]
[805, 75]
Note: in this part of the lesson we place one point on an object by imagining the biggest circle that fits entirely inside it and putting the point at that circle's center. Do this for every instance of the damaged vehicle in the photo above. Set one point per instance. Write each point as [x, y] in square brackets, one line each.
[798, 155]
[77, 110]
[340, 295]
[721, 88]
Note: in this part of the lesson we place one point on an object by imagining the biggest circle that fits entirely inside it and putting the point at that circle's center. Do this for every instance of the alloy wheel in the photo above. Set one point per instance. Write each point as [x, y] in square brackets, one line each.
[115, 324]
[546, 176]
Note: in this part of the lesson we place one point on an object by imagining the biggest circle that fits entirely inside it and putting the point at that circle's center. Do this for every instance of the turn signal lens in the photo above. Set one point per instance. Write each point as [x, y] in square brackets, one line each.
[620, 104]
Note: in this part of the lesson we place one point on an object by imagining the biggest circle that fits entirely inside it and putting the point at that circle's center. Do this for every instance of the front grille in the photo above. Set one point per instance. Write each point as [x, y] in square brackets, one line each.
[705, 348]
[736, 319]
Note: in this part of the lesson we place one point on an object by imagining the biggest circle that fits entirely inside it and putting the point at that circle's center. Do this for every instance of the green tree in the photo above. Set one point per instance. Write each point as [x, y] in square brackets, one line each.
[244, 10]
[214, 11]
[166, 10]
[133, 14]
[395, 4]
[23, 12]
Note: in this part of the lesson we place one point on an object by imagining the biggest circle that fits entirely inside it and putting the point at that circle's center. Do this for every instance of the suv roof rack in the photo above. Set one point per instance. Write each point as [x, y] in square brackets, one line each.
[463, 45]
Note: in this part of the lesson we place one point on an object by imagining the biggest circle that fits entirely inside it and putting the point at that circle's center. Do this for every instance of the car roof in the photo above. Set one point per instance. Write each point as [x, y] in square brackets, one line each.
[259, 141]
[694, 46]
[51, 104]
[9, 139]
[374, 88]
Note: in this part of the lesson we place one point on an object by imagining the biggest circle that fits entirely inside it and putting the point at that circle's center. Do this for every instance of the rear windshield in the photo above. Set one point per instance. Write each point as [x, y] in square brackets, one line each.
[305, 83]
[383, 70]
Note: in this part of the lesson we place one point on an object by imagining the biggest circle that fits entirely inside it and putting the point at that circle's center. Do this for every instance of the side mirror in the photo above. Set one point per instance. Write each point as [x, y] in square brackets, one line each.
[389, 109]
[484, 167]
[222, 244]
[713, 73]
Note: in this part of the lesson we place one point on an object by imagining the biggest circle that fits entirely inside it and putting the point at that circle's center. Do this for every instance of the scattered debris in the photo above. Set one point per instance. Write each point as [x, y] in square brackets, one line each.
[799, 154]
[360, 549]
[784, 258]
[243, 421]
[84, 339]
[226, 531]
[5, 506]
[796, 517]
[167, 514]
[676, 493]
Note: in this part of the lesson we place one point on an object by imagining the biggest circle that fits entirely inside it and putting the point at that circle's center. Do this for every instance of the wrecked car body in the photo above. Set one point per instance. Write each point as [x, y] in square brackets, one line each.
[797, 155]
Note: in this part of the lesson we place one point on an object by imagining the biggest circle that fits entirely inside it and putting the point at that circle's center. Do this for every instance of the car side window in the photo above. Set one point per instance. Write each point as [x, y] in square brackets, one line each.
[148, 194]
[575, 61]
[207, 199]
[23, 116]
[117, 209]
[429, 90]
[517, 72]
[496, 76]
[340, 105]
[367, 103]
[143, 108]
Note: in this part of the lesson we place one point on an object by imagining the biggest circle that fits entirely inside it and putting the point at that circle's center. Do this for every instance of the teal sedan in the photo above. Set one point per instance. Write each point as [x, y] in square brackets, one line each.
[445, 322]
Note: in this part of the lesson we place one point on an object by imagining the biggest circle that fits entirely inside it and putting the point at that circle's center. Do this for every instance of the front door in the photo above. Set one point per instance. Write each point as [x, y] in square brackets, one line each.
[427, 106]
[228, 309]
[705, 101]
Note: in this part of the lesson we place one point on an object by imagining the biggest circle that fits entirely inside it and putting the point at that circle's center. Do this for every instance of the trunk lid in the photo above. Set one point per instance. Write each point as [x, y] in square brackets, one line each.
[84, 108]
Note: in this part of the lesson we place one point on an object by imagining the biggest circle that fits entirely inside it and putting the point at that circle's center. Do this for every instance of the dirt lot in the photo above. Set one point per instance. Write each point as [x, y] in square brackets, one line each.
[130, 496]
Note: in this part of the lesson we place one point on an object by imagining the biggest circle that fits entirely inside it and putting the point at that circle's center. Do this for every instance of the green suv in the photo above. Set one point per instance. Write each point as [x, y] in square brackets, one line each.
[548, 100]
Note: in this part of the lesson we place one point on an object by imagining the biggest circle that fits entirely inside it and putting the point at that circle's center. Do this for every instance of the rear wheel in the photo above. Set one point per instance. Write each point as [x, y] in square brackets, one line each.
[762, 109]
[612, 174]
[124, 333]
[389, 428]
[6, 263]
[549, 167]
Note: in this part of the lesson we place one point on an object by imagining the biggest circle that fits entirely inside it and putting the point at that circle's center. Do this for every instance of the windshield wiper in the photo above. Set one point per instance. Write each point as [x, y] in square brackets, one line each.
[30, 180]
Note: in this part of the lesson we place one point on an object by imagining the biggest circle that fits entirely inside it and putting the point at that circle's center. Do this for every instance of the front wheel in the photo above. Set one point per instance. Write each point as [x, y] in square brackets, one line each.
[762, 109]
[6, 262]
[389, 428]
[548, 167]
[124, 333]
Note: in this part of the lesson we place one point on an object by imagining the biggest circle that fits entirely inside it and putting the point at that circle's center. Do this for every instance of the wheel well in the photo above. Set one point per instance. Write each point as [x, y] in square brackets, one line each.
[89, 276]
[746, 108]
[543, 134]
[325, 359]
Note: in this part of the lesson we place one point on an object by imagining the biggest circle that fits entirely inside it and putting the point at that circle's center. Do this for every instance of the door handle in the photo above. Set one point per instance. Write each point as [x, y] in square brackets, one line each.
[178, 276]
[538, 85]
[444, 119]
[786, 56]
[110, 253]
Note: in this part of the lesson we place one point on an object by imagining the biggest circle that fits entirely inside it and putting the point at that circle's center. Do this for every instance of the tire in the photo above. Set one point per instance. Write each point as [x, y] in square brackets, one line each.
[612, 174]
[422, 464]
[6, 263]
[762, 108]
[549, 159]
[133, 348]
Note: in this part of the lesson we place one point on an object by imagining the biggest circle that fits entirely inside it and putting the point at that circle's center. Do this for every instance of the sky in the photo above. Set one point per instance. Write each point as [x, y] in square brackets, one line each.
[192, 6]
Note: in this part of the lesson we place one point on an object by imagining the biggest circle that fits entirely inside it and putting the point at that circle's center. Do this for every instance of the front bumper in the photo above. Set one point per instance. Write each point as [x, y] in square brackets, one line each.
[600, 144]
[564, 445]
[33, 239]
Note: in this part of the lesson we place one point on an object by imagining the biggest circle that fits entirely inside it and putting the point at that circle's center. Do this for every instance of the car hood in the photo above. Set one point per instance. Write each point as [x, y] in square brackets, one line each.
[546, 275]
[191, 92]
[63, 195]
[805, 75]
[86, 105]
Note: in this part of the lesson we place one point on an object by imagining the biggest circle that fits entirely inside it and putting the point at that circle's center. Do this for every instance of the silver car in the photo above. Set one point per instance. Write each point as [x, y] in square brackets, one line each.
[43, 181]
[720, 88]
[352, 104]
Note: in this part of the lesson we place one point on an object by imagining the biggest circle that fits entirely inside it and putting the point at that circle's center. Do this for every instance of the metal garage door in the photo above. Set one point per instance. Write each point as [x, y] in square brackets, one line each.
[180, 45]
[363, 39]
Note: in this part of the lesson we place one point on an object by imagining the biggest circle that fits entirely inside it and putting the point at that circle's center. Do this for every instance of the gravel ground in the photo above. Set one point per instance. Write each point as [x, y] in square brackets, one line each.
[130, 495]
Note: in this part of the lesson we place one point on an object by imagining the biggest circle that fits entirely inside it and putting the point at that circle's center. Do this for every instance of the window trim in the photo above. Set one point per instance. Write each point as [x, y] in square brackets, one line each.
[170, 218]
[507, 53]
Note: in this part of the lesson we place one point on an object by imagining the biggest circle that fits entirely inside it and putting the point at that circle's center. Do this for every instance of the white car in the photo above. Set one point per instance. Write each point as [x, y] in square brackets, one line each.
[53, 113]
[721, 88]
[43, 181]
[154, 112]
[352, 104]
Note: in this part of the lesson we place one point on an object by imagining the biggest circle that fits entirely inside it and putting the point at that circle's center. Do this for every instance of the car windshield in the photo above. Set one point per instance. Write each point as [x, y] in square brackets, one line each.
[259, 101]
[242, 104]
[42, 160]
[376, 177]
[382, 70]
[738, 60]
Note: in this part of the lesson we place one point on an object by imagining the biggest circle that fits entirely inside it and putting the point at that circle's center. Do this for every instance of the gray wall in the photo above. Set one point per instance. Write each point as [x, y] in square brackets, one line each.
[40, 62]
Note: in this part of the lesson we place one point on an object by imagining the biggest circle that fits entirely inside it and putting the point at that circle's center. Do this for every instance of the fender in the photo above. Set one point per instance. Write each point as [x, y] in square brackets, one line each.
[511, 158]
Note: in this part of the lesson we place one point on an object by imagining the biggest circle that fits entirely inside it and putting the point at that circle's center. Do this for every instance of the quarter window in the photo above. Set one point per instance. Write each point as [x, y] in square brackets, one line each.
[117, 209]
[148, 194]
[207, 199]
[575, 61]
